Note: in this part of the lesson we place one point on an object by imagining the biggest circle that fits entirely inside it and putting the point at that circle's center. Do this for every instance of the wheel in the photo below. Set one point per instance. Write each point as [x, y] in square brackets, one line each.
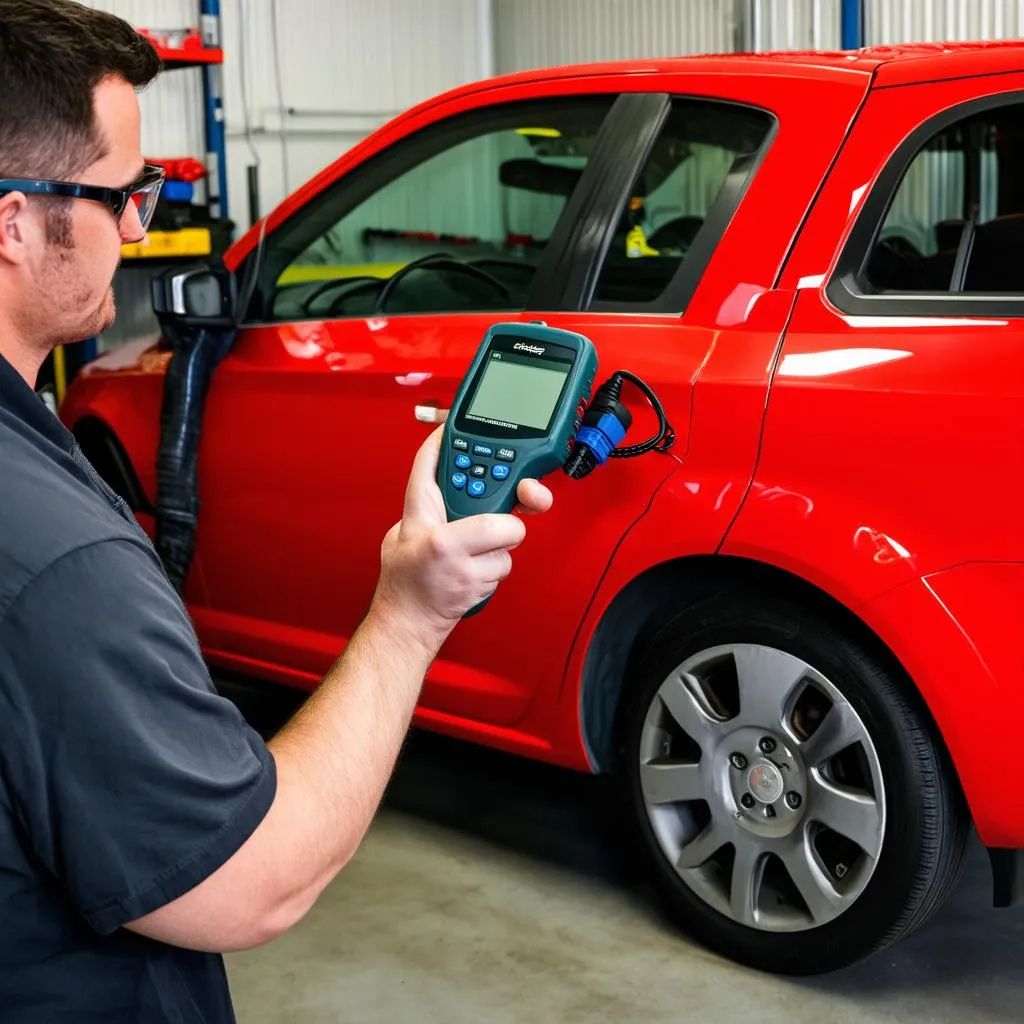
[795, 811]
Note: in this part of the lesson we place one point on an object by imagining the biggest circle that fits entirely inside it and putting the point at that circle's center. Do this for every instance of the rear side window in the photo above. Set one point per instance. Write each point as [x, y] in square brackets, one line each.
[682, 201]
[956, 222]
[453, 219]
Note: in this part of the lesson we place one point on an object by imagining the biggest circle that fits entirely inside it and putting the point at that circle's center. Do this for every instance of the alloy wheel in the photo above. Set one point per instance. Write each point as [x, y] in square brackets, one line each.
[763, 787]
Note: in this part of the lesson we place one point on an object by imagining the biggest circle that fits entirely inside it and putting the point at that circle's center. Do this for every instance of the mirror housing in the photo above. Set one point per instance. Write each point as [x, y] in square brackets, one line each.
[204, 295]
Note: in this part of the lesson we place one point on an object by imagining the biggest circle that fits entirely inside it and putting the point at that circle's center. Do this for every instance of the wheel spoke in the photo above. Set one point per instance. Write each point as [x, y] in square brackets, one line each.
[767, 679]
[854, 815]
[813, 884]
[701, 849]
[670, 783]
[680, 697]
[747, 871]
[839, 729]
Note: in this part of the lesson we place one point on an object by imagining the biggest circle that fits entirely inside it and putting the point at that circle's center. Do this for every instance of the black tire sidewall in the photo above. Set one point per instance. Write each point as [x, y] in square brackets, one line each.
[881, 702]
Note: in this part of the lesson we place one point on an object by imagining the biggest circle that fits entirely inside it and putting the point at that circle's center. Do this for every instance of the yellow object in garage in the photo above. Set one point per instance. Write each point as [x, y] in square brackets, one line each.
[165, 244]
[636, 244]
[330, 272]
[544, 133]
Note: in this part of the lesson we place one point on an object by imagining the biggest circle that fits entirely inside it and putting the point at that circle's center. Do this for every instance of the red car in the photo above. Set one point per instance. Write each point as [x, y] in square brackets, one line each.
[794, 635]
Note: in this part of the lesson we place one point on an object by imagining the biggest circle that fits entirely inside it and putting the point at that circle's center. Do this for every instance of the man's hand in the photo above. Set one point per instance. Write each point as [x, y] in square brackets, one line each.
[433, 571]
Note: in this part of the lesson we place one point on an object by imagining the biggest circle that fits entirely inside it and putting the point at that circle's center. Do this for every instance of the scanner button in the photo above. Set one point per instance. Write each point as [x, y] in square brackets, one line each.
[463, 461]
[478, 471]
[460, 444]
[506, 455]
[482, 449]
[500, 472]
[477, 488]
[458, 481]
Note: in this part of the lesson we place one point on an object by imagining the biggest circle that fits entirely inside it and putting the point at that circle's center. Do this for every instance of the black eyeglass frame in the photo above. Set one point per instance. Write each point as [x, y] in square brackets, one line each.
[116, 198]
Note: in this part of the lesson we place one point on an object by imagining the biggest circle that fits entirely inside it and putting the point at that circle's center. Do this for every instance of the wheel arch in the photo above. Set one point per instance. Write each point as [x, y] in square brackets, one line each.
[104, 450]
[653, 598]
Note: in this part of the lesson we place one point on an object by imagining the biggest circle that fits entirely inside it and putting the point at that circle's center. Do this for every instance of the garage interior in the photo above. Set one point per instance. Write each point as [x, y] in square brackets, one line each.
[490, 887]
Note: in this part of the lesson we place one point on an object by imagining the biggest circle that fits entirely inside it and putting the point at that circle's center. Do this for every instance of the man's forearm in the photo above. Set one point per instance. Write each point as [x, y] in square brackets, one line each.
[334, 758]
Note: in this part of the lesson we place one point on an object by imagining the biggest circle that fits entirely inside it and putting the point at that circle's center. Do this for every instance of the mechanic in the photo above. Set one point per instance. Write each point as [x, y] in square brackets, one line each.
[144, 827]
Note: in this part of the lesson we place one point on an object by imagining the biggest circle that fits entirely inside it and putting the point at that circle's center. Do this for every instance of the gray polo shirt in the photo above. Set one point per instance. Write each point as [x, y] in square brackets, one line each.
[125, 780]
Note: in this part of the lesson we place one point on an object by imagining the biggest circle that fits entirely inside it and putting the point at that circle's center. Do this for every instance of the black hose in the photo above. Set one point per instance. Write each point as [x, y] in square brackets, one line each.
[177, 466]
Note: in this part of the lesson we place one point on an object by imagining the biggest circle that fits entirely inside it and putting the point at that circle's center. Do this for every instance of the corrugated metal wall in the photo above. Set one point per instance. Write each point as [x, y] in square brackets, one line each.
[544, 33]
[795, 25]
[900, 21]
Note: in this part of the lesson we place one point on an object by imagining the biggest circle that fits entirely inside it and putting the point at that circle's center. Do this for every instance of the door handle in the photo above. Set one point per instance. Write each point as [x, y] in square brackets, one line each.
[431, 414]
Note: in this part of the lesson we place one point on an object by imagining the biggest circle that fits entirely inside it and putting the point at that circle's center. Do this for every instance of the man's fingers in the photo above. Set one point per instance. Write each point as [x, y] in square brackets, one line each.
[487, 532]
[533, 496]
[493, 566]
[423, 478]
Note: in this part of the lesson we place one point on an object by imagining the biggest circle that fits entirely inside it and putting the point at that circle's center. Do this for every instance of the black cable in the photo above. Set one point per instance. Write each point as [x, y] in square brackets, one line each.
[666, 436]
[605, 424]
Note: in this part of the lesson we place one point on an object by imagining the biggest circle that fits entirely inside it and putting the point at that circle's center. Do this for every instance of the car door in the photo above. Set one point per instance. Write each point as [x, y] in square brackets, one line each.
[315, 415]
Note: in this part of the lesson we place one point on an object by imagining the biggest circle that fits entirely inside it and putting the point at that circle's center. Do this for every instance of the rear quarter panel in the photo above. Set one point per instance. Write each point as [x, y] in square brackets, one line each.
[890, 472]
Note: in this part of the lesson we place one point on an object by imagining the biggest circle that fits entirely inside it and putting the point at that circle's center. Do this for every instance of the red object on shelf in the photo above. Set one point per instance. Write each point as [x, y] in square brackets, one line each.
[184, 168]
[182, 46]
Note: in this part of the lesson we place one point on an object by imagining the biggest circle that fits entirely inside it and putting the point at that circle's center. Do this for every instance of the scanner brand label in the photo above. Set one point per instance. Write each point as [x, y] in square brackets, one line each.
[536, 350]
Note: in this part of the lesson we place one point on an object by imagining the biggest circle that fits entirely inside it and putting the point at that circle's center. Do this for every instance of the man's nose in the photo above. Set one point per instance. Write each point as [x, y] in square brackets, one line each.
[130, 225]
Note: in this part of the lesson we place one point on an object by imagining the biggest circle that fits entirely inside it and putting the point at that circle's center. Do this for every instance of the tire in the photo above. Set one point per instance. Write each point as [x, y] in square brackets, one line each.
[789, 892]
[104, 452]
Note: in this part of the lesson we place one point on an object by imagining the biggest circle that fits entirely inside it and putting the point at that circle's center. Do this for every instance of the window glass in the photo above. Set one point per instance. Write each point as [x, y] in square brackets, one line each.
[455, 218]
[956, 223]
[704, 156]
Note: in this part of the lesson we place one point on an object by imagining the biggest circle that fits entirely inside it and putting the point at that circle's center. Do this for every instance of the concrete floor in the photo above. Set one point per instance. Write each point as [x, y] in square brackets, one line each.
[491, 889]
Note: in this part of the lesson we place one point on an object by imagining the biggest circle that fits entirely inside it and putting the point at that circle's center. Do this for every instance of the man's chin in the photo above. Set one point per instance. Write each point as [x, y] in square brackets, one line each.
[102, 320]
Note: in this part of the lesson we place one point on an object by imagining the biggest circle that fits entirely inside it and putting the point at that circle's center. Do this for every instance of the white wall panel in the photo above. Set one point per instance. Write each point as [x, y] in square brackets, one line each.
[899, 21]
[547, 33]
[797, 24]
[346, 66]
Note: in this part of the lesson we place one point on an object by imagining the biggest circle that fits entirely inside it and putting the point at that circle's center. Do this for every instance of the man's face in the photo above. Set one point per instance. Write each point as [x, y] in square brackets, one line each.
[69, 292]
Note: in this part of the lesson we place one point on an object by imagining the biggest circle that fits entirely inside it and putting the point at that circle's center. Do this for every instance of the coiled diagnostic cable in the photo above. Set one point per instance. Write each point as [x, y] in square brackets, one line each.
[605, 424]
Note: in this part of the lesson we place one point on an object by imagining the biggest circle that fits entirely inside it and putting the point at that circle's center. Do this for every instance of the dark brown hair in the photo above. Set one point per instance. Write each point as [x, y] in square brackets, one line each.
[53, 54]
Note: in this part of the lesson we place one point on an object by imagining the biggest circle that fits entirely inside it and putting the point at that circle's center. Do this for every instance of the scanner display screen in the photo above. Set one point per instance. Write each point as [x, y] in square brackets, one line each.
[518, 390]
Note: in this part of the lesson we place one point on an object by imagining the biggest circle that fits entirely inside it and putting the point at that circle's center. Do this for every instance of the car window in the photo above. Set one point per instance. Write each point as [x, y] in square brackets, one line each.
[452, 219]
[688, 189]
[956, 222]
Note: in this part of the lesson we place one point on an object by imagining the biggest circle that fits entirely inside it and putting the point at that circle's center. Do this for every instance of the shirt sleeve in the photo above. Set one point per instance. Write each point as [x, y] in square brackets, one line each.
[132, 779]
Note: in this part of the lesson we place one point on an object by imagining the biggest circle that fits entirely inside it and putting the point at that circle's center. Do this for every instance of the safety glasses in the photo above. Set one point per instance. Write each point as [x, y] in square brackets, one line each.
[142, 193]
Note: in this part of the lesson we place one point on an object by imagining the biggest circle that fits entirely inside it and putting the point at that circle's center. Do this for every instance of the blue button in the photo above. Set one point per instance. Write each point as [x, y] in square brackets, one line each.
[482, 449]
[499, 472]
[463, 461]
[458, 481]
[477, 488]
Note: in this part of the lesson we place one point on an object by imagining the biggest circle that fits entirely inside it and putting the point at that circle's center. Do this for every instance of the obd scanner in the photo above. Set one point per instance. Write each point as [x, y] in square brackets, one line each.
[522, 411]
[515, 416]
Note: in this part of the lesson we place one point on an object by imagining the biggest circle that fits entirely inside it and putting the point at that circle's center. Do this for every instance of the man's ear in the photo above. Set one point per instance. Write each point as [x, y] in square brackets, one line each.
[13, 227]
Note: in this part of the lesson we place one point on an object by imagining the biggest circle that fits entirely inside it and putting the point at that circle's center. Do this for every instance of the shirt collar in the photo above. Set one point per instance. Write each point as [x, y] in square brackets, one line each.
[20, 400]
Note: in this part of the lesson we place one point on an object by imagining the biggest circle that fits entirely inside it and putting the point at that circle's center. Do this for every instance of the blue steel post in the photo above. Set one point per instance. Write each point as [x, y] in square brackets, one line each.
[852, 16]
[213, 104]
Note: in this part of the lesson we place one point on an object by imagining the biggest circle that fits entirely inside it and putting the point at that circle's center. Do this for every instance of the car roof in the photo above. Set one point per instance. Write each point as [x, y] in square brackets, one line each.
[902, 64]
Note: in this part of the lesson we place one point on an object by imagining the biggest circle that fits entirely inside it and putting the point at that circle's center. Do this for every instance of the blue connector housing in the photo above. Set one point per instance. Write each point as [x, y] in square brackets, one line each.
[602, 437]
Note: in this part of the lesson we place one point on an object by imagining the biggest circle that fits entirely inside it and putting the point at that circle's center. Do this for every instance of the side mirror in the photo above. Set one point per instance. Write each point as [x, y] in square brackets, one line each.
[197, 297]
